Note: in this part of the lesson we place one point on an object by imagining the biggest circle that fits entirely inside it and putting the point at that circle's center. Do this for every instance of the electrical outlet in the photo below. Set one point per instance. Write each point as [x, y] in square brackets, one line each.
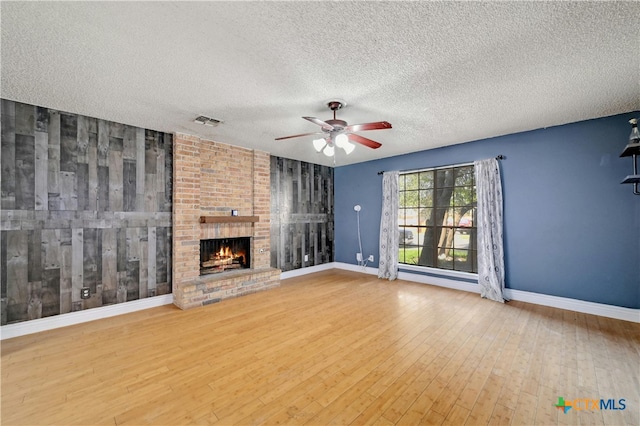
[306, 257]
[370, 258]
[85, 293]
[359, 257]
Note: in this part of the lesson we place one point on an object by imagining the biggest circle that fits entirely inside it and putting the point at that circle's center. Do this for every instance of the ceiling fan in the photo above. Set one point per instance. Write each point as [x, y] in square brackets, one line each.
[338, 133]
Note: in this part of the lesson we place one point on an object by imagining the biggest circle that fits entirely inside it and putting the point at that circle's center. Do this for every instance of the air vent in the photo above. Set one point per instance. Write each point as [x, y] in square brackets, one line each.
[207, 121]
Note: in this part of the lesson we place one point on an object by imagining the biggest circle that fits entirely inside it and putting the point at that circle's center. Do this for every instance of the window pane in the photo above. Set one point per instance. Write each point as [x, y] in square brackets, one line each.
[474, 256]
[445, 236]
[426, 217]
[407, 236]
[412, 198]
[444, 178]
[401, 180]
[411, 182]
[466, 220]
[442, 217]
[427, 261]
[463, 261]
[444, 263]
[411, 217]
[464, 176]
[461, 238]
[426, 198]
[464, 196]
[426, 180]
[409, 255]
[401, 213]
[418, 237]
[460, 256]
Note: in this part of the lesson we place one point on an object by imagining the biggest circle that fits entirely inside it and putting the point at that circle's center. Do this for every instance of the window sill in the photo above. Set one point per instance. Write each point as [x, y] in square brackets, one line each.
[440, 272]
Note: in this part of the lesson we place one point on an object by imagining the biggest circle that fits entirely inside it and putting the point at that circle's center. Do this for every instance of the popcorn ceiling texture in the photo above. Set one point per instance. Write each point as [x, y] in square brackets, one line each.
[441, 72]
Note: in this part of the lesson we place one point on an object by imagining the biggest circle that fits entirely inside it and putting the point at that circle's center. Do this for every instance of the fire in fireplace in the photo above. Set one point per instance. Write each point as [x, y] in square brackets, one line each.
[224, 254]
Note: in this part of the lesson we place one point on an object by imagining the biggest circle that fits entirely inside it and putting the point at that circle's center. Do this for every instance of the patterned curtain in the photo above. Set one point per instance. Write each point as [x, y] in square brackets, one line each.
[389, 234]
[490, 249]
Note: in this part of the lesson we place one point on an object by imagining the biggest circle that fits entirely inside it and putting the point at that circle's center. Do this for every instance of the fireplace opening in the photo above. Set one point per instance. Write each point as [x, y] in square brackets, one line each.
[224, 254]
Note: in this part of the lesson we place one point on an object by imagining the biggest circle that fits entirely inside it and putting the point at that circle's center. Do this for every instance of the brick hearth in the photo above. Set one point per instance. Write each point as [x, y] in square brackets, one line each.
[211, 179]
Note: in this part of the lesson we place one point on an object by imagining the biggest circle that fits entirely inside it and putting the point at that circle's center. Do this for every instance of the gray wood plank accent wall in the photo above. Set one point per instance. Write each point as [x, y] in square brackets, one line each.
[301, 214]
[84, 203]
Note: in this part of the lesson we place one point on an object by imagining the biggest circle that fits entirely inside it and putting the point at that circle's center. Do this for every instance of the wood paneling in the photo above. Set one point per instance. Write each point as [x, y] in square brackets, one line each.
[41, 192]
[78, 203]
[334, 347]
[53, 171]
[8, 151]
[25, 172]
[301, 214]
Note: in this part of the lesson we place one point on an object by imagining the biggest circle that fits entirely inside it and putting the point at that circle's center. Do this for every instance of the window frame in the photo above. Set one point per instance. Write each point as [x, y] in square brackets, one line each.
[468, 270]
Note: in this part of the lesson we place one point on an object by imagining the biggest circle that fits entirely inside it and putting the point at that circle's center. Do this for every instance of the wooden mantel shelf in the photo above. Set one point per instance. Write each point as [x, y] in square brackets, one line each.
[229, 219]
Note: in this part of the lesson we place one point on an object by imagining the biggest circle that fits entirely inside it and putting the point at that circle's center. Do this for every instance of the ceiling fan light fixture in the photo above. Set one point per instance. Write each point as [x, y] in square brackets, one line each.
[318, 144]
[348, 147]
[329, 150]
[338, 133]
[341, 140]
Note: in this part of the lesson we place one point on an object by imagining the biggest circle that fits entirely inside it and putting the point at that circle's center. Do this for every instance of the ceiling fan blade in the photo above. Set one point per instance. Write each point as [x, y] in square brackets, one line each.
[300, 135]
[364, 141]
[319, 123]
[378, 125]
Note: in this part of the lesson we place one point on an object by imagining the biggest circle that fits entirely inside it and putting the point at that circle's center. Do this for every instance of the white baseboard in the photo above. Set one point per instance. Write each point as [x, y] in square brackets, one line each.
[307, 270]
[356, 268]
[600, 309]
[49, 323]
[439, 281]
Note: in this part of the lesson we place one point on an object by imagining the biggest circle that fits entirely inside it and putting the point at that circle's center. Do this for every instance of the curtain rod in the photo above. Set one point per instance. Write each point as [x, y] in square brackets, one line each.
[498, 157]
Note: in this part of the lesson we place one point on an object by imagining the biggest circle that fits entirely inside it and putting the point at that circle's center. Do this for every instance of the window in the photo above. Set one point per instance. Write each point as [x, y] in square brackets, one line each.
[436, 218]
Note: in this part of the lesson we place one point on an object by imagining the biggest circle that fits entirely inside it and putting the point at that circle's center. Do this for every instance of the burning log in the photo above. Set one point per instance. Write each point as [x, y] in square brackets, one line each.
[219, 269]
[217, 262]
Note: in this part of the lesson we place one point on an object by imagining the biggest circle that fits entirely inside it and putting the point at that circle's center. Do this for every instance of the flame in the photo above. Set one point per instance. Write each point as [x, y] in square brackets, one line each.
[225, 252]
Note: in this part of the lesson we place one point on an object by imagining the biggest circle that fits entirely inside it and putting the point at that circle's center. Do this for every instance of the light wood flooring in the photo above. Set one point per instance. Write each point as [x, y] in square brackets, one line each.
[333, 347]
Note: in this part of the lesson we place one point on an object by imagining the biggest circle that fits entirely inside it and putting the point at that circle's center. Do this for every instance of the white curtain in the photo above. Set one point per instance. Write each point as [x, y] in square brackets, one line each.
[489, 222]
[389, 234]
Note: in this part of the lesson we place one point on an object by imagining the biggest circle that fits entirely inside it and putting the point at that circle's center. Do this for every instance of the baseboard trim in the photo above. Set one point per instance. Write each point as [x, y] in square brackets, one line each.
[600, 309]
[356, 268]
[439, 281]
[72, 318]
[419, 278]
[308, 270]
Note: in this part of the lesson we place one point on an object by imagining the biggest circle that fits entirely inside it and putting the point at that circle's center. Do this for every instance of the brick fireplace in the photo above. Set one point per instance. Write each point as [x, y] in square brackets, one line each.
[220, 255]
[210, 180]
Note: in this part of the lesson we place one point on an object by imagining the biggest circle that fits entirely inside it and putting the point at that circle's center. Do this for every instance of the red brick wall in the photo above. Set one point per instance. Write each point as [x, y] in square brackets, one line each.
[186, 207]
[211, 179]
[262, 208]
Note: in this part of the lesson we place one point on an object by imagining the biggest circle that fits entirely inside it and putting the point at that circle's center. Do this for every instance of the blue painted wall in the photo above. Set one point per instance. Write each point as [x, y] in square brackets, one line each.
[571, 229]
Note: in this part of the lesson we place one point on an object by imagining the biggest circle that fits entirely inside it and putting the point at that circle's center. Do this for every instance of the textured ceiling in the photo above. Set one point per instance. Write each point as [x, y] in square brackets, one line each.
[441, 72]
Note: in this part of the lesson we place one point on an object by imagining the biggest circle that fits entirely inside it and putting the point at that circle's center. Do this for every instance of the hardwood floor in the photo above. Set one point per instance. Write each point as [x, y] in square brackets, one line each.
[334, 347]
